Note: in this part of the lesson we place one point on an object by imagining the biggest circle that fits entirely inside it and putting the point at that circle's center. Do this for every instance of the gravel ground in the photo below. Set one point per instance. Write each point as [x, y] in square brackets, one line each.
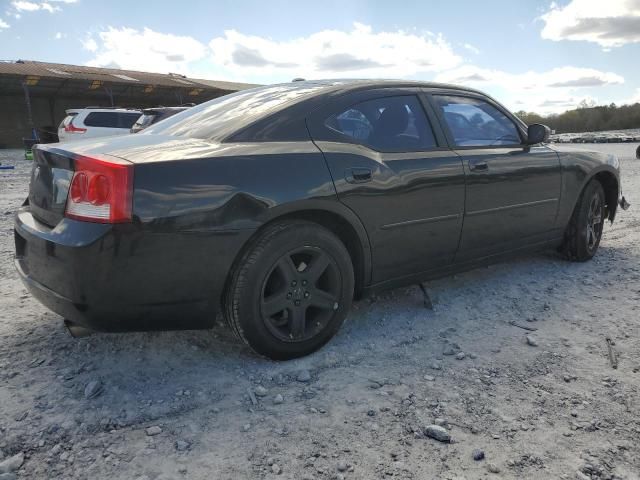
[197, 405]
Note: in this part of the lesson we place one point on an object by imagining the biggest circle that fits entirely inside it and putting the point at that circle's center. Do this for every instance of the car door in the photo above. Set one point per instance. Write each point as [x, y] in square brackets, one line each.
[512, 189]
[391, 166]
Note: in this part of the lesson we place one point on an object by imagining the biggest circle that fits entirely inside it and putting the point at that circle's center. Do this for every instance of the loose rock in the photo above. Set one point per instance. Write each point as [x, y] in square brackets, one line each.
[182, 446]
[493, 468]
[261, 391]
[437, 433]
[93, 389]
[12, 464]
[152, 431]
[478, 454]
[532, 341]
[278, 399]
[304, 376]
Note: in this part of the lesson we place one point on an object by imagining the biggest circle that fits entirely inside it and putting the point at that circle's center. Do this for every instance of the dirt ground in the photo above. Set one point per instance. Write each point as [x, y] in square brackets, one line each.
[197, 405]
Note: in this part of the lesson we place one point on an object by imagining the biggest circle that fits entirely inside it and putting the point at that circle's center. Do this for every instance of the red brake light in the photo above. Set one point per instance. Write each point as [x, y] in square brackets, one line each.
[71, 128]
[101, 190]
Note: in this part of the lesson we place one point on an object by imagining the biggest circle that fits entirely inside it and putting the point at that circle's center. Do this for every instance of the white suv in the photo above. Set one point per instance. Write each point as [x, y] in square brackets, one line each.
[96, 122]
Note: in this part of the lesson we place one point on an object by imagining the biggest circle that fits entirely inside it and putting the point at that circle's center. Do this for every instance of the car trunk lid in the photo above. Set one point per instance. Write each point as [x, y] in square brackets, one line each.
[51, 176]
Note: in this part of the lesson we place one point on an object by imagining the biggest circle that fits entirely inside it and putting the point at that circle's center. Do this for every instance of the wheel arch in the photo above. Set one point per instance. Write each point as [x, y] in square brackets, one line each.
[336, 218]
[608, 178]
[611, 186]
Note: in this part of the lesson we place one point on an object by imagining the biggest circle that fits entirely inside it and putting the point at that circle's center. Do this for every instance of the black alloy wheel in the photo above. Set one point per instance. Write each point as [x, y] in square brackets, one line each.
[584, 231]
[291, 290]
[300, 294]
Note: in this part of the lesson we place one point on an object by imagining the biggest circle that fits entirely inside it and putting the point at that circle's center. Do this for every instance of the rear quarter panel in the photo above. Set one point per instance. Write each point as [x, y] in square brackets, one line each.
[195, 212]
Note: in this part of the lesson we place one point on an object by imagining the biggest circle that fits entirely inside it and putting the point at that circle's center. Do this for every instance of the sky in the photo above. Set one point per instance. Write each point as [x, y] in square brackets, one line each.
[531, 55]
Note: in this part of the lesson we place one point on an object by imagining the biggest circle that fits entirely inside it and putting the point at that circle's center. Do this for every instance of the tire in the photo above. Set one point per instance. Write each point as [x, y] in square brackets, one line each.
[587, 221]
[291, 290]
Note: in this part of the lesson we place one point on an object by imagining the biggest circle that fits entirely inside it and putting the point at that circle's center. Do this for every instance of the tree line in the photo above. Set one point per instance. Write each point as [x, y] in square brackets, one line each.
[588, 118]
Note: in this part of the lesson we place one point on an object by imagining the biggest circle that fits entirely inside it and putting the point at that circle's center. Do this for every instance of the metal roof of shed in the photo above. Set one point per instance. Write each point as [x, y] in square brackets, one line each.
[45, 70]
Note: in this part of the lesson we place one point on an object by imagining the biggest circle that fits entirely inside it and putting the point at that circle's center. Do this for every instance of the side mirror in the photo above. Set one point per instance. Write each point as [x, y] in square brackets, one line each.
[537, 133]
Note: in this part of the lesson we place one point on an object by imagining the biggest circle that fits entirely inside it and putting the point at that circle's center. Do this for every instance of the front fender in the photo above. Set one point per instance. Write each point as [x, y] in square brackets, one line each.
[579, 168]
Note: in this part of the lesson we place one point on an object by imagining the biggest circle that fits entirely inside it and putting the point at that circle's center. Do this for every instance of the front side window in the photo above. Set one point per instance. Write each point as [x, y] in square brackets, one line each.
[476, 123]
[396, 124]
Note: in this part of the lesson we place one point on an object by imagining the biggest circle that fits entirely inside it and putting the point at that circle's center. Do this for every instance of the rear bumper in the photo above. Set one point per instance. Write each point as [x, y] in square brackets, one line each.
[123, 277]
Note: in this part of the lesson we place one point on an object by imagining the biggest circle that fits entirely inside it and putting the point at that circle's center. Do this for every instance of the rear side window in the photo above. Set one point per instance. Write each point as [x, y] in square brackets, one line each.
[67, 120]
[396, 124]
[111, 119]
[228, 114]
[476, 123]
[145, 120]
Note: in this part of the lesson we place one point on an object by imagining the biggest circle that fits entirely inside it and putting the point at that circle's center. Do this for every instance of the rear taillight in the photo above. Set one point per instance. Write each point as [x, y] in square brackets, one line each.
[71, 128]
[101, 190]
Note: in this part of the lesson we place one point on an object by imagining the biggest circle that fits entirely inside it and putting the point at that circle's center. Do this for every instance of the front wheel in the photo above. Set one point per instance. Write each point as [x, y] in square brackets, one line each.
[587, 222]
[291, 291]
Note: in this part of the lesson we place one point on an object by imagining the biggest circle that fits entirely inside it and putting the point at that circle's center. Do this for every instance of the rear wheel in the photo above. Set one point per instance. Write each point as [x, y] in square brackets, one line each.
[291, 291]
[587, 222]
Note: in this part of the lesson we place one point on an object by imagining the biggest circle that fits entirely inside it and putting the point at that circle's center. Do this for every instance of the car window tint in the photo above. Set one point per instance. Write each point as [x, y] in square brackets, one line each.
[111, 119]
[476, 123]
[126, 120]
[225, 115]
[387, 124]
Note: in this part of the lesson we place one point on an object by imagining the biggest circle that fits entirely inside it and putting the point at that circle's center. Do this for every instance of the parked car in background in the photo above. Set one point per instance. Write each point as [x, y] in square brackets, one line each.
[93, 122]
[279, 205]
[154, 115]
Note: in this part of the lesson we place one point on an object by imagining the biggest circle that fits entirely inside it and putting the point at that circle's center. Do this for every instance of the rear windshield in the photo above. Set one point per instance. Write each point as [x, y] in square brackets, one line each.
[225, 115]
[111, 119]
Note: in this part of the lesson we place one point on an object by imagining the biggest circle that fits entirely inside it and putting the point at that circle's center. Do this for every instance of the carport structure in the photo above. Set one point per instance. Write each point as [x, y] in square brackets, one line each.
[35, 95]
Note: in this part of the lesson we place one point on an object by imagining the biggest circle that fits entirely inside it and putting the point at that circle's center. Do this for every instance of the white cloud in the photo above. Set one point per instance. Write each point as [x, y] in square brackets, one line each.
[557, 77]
[471, 48]
[544, 92]
[47, 6]
[610, 23]
[145, 50]
[59, 35]
[3, 24]
[26, 6]
[358, 52]
[89, 44]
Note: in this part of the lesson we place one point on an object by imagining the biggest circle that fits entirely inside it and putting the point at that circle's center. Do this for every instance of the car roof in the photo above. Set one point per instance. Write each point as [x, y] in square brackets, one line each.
[358, 84]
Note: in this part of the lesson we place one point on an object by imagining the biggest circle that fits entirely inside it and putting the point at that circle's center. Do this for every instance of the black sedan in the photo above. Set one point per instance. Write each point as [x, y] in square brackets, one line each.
[279, 205]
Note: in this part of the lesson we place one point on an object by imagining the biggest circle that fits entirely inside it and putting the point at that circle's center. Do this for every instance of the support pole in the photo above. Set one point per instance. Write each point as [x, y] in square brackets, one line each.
[110, 94]
[27, 99]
